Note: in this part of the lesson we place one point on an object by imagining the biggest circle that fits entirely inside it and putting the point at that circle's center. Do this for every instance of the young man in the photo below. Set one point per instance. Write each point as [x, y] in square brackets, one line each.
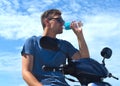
[35, 55]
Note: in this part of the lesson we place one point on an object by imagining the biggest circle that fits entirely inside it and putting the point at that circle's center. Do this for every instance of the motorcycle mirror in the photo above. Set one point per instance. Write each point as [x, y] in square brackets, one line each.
[49, 43]
[106, 52]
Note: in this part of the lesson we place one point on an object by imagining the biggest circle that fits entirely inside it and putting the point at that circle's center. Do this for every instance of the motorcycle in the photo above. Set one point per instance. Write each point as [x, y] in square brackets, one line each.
[88, 71]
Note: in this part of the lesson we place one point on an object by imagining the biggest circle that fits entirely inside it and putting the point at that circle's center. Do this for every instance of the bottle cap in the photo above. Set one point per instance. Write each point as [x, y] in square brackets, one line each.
[67, 25]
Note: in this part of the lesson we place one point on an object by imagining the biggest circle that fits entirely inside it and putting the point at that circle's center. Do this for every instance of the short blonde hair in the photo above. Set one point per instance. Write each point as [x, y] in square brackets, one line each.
[48, 14]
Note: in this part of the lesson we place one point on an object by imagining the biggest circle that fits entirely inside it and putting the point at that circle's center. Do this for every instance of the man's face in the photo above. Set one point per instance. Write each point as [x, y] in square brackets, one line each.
[56, 24]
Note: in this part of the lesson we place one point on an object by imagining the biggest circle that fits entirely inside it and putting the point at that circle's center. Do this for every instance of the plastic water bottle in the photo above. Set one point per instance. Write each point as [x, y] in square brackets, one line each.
[67, 25]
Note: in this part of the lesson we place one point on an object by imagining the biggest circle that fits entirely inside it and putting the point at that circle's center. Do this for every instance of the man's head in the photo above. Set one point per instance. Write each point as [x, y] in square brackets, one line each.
[52, 19]
[49, 14]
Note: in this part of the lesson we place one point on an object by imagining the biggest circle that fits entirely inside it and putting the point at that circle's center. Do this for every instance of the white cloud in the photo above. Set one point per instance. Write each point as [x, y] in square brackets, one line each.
[15, 27]
[10, 62]
[103, 25]
[23, 26]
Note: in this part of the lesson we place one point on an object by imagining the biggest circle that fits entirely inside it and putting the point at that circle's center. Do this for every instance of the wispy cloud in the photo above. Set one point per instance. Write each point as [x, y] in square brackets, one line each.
[10, 62]
[104, 25]
[15, 27]
[16, 24]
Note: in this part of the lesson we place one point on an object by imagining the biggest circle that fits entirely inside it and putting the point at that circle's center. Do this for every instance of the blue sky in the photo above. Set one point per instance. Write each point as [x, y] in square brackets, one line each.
[20, 19]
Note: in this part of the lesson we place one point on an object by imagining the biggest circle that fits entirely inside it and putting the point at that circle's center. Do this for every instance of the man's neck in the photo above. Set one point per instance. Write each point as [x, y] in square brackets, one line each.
[49, 33]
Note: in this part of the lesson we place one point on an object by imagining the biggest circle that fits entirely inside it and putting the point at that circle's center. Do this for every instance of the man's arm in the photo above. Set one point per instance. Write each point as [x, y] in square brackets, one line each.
[27, 65]
[83, 49]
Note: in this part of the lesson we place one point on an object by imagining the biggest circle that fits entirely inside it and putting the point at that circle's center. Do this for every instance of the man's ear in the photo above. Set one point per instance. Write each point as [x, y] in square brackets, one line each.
[46, 22]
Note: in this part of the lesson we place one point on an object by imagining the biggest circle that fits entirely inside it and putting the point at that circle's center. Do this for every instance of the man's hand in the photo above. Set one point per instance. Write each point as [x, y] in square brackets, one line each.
[77, 27]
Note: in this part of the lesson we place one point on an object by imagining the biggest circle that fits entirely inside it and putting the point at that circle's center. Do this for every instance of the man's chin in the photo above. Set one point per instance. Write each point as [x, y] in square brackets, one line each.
[60, 32]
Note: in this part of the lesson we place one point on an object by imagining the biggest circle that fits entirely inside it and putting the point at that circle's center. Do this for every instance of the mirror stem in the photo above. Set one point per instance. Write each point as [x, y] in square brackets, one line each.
[103, 61]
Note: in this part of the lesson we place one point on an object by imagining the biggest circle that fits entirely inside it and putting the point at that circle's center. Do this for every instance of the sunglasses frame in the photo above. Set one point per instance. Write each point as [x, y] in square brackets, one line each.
[60, 20]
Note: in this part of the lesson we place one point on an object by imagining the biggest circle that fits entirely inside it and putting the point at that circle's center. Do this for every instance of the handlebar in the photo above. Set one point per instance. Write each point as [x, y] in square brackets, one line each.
[110, 75]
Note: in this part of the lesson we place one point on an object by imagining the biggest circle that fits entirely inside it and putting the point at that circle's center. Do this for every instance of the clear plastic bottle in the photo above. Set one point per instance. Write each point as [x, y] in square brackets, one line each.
[67, 25]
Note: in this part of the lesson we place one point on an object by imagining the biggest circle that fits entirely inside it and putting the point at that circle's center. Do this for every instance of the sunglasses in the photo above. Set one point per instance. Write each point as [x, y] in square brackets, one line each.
[60, 20]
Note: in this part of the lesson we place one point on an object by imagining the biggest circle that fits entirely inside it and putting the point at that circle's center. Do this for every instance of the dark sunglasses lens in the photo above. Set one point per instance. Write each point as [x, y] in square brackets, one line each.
[60, 20]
